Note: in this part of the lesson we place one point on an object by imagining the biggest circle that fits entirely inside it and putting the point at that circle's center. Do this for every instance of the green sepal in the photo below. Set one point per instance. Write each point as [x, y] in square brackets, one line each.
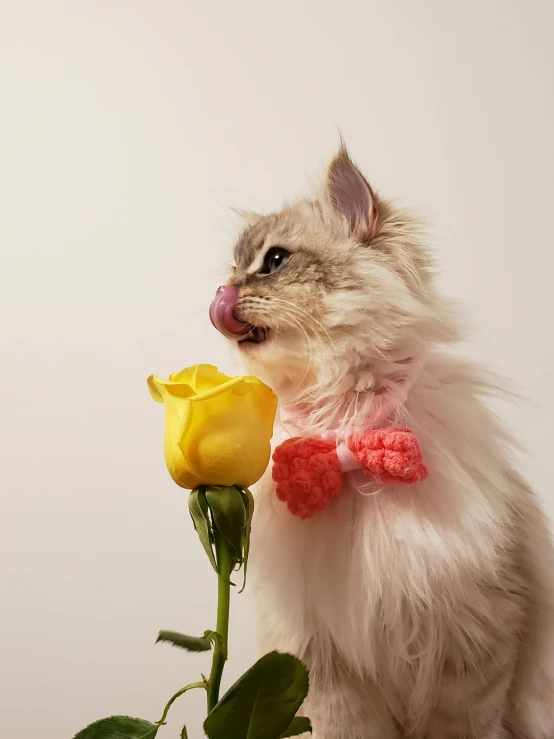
[184, 734]
[190, 643]
[229, 516]
[263, 702]
[200, 514]
[248, 500]
[119, 727]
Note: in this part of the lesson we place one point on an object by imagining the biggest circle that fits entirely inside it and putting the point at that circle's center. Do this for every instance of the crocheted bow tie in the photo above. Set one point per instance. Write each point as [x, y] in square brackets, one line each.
[310, 472]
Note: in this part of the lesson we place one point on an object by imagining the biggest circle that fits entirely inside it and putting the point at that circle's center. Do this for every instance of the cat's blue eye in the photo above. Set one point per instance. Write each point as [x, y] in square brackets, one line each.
[274, 259]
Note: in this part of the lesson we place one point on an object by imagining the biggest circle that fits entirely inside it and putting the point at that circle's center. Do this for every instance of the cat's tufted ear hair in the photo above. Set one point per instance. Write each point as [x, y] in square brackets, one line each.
[350, 196]
[246, 218]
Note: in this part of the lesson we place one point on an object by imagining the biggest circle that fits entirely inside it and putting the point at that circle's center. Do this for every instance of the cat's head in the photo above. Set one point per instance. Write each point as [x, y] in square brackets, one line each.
[331, 301]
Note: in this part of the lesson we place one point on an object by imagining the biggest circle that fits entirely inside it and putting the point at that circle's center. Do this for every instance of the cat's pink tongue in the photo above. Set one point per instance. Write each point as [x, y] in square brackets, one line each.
[222, 314]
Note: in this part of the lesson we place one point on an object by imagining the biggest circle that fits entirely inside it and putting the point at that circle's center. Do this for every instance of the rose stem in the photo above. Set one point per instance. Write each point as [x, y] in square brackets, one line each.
[223, 597]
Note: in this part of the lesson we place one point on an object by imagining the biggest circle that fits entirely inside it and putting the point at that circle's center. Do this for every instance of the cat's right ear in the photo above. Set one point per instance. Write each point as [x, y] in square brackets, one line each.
[350, 196]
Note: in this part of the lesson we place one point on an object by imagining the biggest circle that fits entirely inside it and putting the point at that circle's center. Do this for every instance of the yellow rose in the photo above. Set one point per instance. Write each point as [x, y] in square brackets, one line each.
[217, 428]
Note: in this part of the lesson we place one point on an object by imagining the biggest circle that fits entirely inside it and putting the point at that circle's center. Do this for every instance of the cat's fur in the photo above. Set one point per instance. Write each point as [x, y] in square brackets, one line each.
[424, 611]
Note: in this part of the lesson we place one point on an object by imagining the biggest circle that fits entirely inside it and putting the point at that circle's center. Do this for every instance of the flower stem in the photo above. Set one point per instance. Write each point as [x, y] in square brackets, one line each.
[173, 698]
[224, 567]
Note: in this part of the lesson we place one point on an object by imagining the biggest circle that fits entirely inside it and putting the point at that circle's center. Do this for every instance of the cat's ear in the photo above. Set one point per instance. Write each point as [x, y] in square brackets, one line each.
[350, 195]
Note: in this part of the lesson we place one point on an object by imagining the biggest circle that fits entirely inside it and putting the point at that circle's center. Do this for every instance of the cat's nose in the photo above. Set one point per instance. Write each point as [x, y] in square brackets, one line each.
[222, 314]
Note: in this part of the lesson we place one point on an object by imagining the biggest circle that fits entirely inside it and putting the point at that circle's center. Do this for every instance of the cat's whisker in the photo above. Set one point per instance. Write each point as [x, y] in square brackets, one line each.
[308, 315]
[294, 322]
[259, 305]
[291, 318]
[309, 362]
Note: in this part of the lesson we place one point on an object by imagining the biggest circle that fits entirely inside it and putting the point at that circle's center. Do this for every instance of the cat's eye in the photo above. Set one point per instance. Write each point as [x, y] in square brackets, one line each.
[274, 259]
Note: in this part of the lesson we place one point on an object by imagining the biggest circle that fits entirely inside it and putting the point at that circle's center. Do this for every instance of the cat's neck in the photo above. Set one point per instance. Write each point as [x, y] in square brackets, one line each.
[370, 397]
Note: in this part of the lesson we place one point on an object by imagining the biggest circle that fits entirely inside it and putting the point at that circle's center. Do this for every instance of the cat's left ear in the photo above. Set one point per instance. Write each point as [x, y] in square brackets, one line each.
[350, 196]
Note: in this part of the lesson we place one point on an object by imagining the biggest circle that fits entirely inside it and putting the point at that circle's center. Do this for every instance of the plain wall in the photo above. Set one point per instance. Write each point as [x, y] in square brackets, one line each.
[127, 128]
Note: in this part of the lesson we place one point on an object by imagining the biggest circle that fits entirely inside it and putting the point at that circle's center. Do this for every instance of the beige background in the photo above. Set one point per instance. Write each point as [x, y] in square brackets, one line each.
[127, 128]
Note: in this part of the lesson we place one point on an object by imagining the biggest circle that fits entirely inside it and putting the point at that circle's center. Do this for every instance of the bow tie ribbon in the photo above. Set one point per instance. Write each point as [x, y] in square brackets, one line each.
[310, 472]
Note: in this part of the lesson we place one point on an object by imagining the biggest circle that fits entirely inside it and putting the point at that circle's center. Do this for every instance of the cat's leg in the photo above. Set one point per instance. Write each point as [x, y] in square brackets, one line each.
[473, 704]
[532, 699]
[532, 696]
[495, 731]
[347, 707]
[340, 703]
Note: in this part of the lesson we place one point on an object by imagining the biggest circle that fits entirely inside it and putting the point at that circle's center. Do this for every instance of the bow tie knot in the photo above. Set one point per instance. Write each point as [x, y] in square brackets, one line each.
[310, 472]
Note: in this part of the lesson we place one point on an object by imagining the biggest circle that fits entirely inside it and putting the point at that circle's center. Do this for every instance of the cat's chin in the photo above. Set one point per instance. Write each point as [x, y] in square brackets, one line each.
[284, 373]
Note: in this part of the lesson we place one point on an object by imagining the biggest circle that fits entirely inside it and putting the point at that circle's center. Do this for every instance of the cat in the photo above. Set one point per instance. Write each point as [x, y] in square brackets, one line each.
[424, 611]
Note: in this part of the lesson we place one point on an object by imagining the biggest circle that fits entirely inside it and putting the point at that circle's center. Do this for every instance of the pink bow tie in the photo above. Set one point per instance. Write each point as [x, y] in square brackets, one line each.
[310, 472]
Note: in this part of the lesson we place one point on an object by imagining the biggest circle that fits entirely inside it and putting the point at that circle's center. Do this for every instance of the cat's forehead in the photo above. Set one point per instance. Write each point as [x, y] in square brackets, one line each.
[250, 242]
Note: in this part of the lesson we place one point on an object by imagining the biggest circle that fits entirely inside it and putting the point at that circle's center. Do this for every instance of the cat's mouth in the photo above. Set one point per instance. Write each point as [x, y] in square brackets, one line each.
[225, 319]
[257, 335]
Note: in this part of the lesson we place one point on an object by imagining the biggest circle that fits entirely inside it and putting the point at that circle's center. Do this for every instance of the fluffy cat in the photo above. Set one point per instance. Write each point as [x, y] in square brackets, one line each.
[425, 611]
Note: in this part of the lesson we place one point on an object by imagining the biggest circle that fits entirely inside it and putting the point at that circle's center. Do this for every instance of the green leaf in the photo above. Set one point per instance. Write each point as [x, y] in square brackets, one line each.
[263, 702]
[248, 500]
[229, 515]
[190, 643]
[200, 514]
[119, 727]
[298, 725]
[184, 734]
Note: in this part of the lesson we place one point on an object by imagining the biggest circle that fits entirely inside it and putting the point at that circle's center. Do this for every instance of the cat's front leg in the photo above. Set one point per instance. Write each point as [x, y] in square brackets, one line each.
[343, 706]
[473, 704]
